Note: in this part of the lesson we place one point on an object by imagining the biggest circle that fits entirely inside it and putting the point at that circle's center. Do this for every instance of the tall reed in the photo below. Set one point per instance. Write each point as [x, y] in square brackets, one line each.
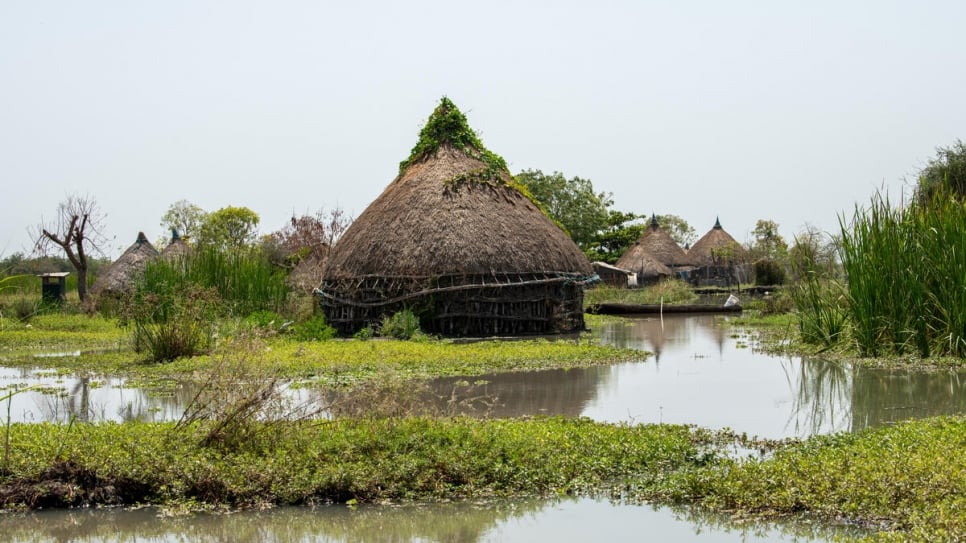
[244, 279]
[818, 298]
[906, 269]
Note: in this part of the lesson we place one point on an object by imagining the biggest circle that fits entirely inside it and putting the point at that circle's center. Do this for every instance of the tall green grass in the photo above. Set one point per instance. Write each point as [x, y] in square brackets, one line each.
[245, 279]
[818, 297]
[906, 279]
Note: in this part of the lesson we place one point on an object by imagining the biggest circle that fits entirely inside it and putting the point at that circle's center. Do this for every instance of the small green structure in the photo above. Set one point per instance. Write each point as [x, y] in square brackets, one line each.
[53, 287]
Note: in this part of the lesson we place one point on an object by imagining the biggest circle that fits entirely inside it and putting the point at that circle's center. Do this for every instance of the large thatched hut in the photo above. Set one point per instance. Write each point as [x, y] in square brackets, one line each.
[119, 276]
[455, 240]
[719, 258]
[654, 255]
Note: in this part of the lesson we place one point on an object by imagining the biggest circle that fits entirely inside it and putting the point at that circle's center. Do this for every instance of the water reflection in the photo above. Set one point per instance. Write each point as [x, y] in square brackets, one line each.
[557, 520]
[710, 374]
[704, 372]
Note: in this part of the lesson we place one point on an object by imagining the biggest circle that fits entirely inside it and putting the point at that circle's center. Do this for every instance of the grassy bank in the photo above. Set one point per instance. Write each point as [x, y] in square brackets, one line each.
[907, 480]
[340, 461]
[106, 349]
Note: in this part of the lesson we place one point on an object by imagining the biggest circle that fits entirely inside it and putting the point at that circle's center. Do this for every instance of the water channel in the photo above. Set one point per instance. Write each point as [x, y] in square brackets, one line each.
[702, 371]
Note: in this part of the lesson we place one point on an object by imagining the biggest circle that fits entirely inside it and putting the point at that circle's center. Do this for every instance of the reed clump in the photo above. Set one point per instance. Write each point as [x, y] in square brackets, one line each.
[907, 278]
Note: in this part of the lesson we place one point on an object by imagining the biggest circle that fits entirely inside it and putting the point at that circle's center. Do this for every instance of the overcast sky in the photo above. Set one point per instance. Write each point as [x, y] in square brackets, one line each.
[789, 111]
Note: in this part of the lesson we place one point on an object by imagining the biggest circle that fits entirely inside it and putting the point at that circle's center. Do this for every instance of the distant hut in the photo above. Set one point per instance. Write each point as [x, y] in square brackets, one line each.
[118, 277]
[176, 248]
[720, 260]
[655, 255]
[614, 276]
[453, 239]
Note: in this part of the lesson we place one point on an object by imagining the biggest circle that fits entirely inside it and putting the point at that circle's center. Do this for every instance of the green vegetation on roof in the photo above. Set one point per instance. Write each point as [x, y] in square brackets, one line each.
[448, 126]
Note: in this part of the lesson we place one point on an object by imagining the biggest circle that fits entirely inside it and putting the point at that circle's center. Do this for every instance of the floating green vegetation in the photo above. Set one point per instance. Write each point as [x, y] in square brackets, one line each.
[352, 460]
[909, 479]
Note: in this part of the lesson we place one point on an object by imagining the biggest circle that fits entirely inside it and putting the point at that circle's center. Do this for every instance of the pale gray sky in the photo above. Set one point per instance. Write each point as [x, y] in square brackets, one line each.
[790, 111]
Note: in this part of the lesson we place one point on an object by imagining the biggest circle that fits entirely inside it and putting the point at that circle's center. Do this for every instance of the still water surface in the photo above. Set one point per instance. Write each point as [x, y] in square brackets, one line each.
[559, 521]
[701, 372]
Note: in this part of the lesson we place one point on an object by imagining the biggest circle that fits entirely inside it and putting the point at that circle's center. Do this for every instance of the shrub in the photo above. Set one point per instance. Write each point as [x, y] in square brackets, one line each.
[314, 329]
[172, 322]
[402, 325]
[769, 272]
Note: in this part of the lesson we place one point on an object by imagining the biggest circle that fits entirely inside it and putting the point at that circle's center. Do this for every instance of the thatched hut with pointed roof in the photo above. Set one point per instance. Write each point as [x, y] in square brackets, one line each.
[720, 259]
[118, 277]
[176, 248]
[654, 255]
[457, 241]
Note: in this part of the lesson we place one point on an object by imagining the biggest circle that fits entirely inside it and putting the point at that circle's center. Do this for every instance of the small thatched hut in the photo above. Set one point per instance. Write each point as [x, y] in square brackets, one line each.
[117, 278]
[655, 255]
[455, 240]
[176, 248]
[720, 259]
[614, 276]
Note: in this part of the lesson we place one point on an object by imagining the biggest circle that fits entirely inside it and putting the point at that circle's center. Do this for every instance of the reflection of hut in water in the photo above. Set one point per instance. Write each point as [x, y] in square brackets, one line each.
[518, 394]
[454, 240]
[655, 255]
[720, 260]
[614, 276]
[118, 278]
[176, 248]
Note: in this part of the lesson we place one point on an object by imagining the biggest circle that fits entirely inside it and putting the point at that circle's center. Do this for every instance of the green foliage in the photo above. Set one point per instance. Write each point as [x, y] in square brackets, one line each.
[171, 321]
[229, 228]
[676, 227]
[358, 460]
[265, 320]
[185, 218]
[314, 329]
[818, 298]
[944, 174]
[909, 479]
[769, 272]
[245, 280]
[907, 277]
[668, 291]
[572, 203]
[402, 325]
[621, 231]
[768, 243]
[448, 126]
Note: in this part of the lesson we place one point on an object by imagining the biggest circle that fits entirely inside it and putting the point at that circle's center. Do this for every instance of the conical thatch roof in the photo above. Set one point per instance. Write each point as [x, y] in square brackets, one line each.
[643, 263]
[118, 276]
[453, 219]
[176, 248]
[717, 248]
[656, 244]
[454, 209]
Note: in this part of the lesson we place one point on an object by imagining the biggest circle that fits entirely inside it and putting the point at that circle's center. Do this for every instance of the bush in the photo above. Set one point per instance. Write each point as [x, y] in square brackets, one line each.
[402, 325]
[171, 322]
[314, 329]
[769, 272]
[265, 320]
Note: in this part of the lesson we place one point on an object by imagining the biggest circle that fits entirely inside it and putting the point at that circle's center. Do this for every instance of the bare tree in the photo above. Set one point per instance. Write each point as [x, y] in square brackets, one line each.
[77, 231]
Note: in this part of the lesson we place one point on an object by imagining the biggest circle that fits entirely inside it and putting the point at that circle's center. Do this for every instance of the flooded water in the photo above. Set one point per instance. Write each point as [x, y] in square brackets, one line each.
[702, 371]
[707, 373]
[558, 520]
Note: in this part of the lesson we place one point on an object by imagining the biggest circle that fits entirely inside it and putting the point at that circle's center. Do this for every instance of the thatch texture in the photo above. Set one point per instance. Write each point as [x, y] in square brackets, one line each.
[118, 277]
[655, 247]
[176, 248]
[717, 248]
[647, 267]
[453, 239]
